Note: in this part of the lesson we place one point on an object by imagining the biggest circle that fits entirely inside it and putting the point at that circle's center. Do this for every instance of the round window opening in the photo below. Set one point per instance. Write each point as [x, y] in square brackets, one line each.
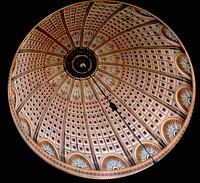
[101, 89]
[80, 63]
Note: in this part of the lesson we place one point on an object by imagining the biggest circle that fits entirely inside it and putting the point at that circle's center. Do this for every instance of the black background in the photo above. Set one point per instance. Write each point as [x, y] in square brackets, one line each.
[20, 163]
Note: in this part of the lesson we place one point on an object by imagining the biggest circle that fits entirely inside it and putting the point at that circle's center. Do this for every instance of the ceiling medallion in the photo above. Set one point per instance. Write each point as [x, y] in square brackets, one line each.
[80, 63]
[101, 89]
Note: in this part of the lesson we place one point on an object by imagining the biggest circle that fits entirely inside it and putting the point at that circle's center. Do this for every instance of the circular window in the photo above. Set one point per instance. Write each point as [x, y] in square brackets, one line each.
[80, 63]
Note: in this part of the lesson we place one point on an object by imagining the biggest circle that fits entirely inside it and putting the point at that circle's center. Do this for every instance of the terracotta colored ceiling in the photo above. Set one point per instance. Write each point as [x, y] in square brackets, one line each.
[101, 89]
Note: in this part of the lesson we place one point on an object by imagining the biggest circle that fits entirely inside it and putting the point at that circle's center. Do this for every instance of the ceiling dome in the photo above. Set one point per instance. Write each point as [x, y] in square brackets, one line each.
[101, 89]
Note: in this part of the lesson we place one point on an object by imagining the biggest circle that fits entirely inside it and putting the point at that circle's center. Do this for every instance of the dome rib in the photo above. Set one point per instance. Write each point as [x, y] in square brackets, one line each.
[84, 22]
[125, 31]
[25, 50]
[172, 108]
[52, 97]
[37, 88]
[138, 48]
[66, 28]
[126, 152]
[154, 135]
[52, 38]
[36, 68]
[114, 108]
[65, 121]
[87, 128]
[177, 77]
[123, 6]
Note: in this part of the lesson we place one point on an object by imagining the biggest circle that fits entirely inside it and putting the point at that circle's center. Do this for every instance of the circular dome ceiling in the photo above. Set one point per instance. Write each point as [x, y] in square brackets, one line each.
[101, 89]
